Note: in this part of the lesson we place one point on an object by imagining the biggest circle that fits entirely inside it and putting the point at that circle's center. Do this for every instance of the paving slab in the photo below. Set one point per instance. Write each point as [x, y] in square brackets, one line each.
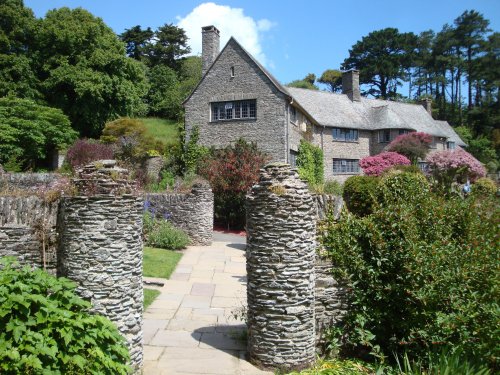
[190, 328]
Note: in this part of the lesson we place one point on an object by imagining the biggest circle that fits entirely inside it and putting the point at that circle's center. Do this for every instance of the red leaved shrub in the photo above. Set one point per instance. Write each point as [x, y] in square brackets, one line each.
[413, 145]
[375, 165]
[84, 151]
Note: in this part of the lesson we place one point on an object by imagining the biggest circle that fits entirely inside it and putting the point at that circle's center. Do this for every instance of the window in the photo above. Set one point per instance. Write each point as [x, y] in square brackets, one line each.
[345, 135]
[240, 109]
[293, 114]
[232, 71]
[403, 131]
[450, 145]
[433, 143]
[384, 136]
[424, 167]
[293, 158]
[345, 166]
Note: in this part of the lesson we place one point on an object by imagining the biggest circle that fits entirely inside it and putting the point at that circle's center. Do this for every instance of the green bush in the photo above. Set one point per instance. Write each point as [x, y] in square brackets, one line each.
[166, 236]
[310, 163]
[423, 271]
[331, 187]
[46, 328]
[484, 186]
[359, 194]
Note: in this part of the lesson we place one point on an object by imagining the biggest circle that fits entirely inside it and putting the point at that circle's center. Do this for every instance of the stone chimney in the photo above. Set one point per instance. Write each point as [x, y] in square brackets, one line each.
[209, 47]
[427, 103]
[350, 85]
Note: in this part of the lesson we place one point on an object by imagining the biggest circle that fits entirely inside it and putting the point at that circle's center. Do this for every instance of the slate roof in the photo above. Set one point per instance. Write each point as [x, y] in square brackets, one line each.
[337, 110]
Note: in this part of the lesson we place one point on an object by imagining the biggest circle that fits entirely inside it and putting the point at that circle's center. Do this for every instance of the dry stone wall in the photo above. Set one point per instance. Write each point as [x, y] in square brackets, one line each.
[28, 230]
[280, 268]
[100, 247]
[192, 212]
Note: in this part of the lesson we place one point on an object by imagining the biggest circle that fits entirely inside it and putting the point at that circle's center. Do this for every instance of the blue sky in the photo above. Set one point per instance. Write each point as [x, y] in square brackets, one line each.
[291, 38]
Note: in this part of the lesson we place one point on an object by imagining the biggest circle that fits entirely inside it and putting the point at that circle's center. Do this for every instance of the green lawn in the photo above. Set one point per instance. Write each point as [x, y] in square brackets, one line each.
[159, 262]
[149, 296]
[164, 130]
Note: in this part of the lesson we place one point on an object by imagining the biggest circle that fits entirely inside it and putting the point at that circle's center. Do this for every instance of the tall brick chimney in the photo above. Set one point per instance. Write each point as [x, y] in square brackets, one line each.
[210, 45]
[350, 84]
[427, 103]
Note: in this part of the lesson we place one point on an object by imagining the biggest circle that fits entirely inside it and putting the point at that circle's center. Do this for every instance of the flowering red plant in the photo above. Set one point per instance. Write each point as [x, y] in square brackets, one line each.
[375, 165]
[413, 145]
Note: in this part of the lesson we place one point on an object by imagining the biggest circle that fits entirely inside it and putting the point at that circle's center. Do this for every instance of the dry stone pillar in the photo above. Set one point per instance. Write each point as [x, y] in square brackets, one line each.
[100, 248]
[280, 254]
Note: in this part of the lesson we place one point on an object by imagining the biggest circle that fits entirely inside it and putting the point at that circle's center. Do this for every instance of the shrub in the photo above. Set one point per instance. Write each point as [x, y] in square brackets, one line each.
[376, 165]
[231, 171]
[191, 153]
[413, 145]
[310, 163]
[359, 194]
[422, 270]
[30, 131]
[165, 236]
[48, 329]
[85, 151]
[129, 140]
[484, 186]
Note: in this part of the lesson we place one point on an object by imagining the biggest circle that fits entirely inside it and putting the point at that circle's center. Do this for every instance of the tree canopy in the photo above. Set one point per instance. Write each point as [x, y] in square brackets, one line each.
[332, 78]
[29, 131]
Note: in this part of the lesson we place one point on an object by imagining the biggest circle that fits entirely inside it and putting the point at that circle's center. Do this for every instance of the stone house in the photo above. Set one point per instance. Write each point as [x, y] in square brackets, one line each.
[238, 98]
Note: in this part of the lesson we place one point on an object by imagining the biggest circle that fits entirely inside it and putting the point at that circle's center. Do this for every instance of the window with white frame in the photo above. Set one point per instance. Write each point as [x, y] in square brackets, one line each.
[345, 135]
[345, 166]
[234, 110]
[384, 136]
[450, 145]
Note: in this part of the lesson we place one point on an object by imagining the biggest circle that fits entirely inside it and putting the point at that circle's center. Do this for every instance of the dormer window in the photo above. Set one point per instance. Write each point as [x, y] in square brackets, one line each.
[232, 72]
[450, 145]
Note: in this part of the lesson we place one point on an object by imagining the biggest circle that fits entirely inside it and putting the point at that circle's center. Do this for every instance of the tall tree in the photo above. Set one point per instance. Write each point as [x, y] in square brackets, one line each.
[136, 40]
[167, 46]
[332, 78]
[305, 83]
[85, 72]
[17, 28]
[471, 28]
[382, 57]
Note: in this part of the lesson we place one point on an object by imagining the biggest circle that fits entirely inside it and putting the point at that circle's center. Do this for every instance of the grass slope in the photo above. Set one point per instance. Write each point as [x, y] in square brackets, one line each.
[164, 130]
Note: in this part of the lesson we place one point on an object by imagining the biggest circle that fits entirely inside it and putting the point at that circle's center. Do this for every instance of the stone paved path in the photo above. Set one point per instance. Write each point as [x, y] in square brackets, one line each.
[190, 328]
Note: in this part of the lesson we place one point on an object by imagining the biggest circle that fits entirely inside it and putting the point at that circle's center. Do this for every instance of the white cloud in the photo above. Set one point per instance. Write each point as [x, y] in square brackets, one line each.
[230, 22]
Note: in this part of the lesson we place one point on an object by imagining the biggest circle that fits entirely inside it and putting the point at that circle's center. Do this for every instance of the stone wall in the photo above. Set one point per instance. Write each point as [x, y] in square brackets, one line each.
[280, 269]
[192, 212]
[30, 181]
[100, 248]
[28, 230]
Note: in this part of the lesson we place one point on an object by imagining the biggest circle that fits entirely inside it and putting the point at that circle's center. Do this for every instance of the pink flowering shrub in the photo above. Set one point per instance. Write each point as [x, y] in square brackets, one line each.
[375, 165]
[448, 166]
[413, 145]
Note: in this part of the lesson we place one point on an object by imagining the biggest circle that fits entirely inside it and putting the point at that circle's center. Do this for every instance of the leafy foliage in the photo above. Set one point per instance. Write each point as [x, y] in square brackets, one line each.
[85, 72]
[29, 131]
[231, 171]
[376, 165]
[484, 186]
[413, 145]
[423, 272]
[359, 194]
[310, 163]
[164, 97]
[191, 152]
[332, 78]
[84, 151]
[306, 83]
[160, 233]
[48, 329]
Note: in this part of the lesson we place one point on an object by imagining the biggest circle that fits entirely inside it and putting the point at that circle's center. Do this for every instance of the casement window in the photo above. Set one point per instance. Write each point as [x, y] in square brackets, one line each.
[293, 158]
[345, 166]
[345, 135]
[235, 110]
[384, 136]
[293, 114]
[450, 145]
